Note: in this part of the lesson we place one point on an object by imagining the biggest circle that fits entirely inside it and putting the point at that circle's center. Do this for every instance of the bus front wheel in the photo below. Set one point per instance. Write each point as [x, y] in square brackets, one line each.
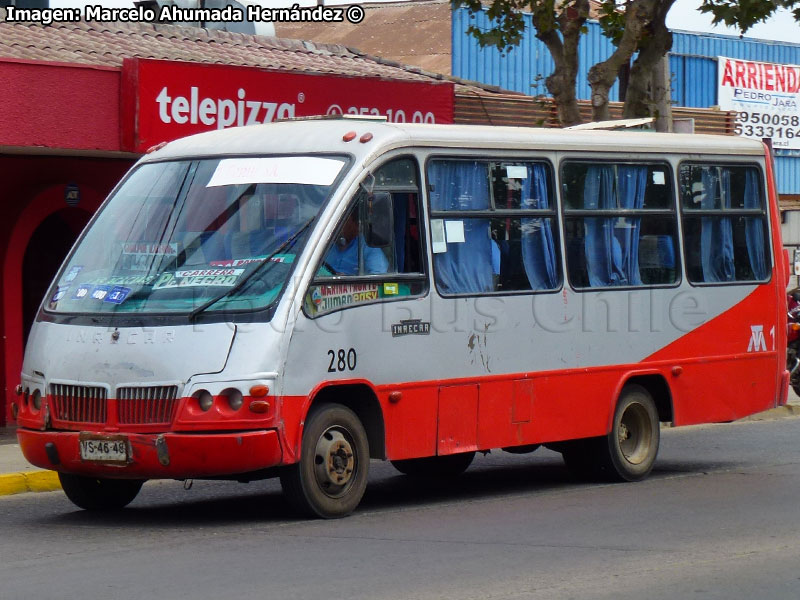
[94, 493]
[629, 450]
[331, 476]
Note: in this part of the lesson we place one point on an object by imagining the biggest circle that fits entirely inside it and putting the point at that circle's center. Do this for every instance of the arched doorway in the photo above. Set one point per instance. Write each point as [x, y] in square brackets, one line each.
[47, 248]
[39, 241]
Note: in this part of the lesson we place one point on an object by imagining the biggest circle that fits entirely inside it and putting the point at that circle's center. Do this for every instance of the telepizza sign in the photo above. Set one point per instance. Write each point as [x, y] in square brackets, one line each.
[165, 100]
[766, 98]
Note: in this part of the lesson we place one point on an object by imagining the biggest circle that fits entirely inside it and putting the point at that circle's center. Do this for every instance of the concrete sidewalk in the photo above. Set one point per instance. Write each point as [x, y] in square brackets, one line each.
[17, 476]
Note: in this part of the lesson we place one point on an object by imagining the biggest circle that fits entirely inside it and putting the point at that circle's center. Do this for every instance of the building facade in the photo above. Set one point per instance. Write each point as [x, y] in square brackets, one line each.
[83, 100]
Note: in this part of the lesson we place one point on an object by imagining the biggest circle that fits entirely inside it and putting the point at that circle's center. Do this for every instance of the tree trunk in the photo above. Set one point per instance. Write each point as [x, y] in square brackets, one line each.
[561, 86]
[564, 50]
[661, 95]
[622, 77]
[638, 15]
[656, 43]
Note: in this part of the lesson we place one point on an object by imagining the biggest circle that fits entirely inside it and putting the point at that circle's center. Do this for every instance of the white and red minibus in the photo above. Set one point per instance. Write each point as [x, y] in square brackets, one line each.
[298, 298]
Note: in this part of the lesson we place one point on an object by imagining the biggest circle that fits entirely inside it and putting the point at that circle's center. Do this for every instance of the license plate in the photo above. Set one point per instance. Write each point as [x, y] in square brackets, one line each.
[104, 448]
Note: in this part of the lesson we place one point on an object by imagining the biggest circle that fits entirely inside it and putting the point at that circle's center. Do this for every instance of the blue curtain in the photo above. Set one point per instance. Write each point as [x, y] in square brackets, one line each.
[612, 244]
[466, 267]
[754, 229]
[631, 186]
[601, 247]
[538, 248]
[716, 233]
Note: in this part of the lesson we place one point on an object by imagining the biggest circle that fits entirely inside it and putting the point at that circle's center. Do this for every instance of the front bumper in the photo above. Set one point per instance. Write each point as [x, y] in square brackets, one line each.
[158, 456]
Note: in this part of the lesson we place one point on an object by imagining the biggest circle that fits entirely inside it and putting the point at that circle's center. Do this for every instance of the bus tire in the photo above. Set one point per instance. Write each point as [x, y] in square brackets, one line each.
[431, 467]
[331, 476]
[632, 444]
[628, 452]
[94, 493]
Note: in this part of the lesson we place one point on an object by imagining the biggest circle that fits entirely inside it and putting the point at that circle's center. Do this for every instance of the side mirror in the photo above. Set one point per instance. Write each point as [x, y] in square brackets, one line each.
[378, 220]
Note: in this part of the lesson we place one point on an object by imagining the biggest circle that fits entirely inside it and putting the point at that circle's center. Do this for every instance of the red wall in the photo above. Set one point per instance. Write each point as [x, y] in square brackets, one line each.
[33, 189]
[59, 106]
[59, 109]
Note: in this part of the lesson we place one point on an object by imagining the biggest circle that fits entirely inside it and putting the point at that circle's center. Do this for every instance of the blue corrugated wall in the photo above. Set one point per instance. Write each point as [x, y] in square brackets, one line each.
[692, 61]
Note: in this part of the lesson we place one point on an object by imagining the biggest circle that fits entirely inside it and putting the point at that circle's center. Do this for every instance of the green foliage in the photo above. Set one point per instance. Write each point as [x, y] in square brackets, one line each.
[510, 24]
[612, 21]
[746, 13]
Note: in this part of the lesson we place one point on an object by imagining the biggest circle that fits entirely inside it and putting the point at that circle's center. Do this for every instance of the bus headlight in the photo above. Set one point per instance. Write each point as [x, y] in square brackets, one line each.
[204, 400]
[36, 400]
[234, 397]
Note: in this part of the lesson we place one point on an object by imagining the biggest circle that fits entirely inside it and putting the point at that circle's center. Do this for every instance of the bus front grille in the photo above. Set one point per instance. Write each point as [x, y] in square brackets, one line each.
[78, 403]
[147, 405]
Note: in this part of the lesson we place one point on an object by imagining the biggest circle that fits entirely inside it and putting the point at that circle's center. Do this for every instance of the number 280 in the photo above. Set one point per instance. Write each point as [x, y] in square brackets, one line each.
[342, 360]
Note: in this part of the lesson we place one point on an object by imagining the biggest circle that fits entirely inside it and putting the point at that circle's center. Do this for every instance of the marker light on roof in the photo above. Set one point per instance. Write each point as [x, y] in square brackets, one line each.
[365, 138]
[349, 136]
[158, 146]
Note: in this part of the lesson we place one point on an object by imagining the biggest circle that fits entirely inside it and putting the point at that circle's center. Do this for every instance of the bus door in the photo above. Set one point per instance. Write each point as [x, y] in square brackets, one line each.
[365, 325]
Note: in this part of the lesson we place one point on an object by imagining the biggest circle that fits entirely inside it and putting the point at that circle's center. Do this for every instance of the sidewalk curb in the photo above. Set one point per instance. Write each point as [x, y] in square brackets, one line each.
[33, 481]
[787, 410]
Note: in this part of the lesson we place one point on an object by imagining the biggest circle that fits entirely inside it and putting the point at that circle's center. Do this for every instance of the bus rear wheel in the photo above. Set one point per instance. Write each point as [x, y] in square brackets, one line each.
[94, 493]
[435, 466]
[629, 451]
[331, 476]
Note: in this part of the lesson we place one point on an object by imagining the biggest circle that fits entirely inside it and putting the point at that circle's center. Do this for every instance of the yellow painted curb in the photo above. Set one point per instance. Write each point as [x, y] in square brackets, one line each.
[33, 481]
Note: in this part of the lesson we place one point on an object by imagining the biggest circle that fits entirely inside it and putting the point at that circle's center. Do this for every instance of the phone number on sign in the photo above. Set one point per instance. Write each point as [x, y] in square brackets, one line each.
[761, 125]
[393, 116]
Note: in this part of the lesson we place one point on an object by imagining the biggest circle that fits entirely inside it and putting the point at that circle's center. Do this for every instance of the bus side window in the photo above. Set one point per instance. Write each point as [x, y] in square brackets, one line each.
[493, 226]
[394, 265]
[724, 223]
[620, 225]
[350, 252]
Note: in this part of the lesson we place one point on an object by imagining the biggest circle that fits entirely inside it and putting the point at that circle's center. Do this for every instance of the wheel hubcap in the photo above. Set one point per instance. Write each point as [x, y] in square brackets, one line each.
[634, 434]
[334, 462]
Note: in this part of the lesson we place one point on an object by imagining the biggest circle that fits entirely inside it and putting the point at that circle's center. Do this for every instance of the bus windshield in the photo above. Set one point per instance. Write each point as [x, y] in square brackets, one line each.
[177, 234]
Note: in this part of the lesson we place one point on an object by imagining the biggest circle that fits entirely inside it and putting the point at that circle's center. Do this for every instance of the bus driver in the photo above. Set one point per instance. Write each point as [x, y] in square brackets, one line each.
[343, 255]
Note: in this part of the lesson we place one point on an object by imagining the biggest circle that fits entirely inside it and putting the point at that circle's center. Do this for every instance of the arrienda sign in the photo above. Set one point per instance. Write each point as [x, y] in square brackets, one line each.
[766, 98]
[164, 100]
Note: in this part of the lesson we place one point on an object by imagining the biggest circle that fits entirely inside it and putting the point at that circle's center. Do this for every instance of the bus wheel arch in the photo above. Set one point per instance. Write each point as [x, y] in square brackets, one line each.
[362, 400]
[658, 388]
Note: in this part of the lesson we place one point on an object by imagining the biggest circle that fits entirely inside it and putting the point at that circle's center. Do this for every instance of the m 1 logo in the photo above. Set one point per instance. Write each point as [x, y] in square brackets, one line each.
[758, 343]
[164, 100]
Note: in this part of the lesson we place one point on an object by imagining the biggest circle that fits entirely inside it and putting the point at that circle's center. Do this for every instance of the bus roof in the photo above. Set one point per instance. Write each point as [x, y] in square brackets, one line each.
[328, 135]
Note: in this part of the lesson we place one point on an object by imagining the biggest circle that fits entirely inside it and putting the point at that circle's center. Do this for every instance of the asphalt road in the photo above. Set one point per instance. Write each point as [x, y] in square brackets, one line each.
[718, 518]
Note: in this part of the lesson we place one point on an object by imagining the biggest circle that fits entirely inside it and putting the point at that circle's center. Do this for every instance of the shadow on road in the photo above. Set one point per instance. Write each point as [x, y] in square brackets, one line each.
[214, 503]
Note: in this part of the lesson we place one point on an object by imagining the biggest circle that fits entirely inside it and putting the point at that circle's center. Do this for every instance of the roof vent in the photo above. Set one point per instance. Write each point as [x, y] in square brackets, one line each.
[642, 123]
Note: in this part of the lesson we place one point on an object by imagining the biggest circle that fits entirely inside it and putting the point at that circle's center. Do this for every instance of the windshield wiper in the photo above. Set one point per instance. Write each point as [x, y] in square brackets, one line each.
[249, 276]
